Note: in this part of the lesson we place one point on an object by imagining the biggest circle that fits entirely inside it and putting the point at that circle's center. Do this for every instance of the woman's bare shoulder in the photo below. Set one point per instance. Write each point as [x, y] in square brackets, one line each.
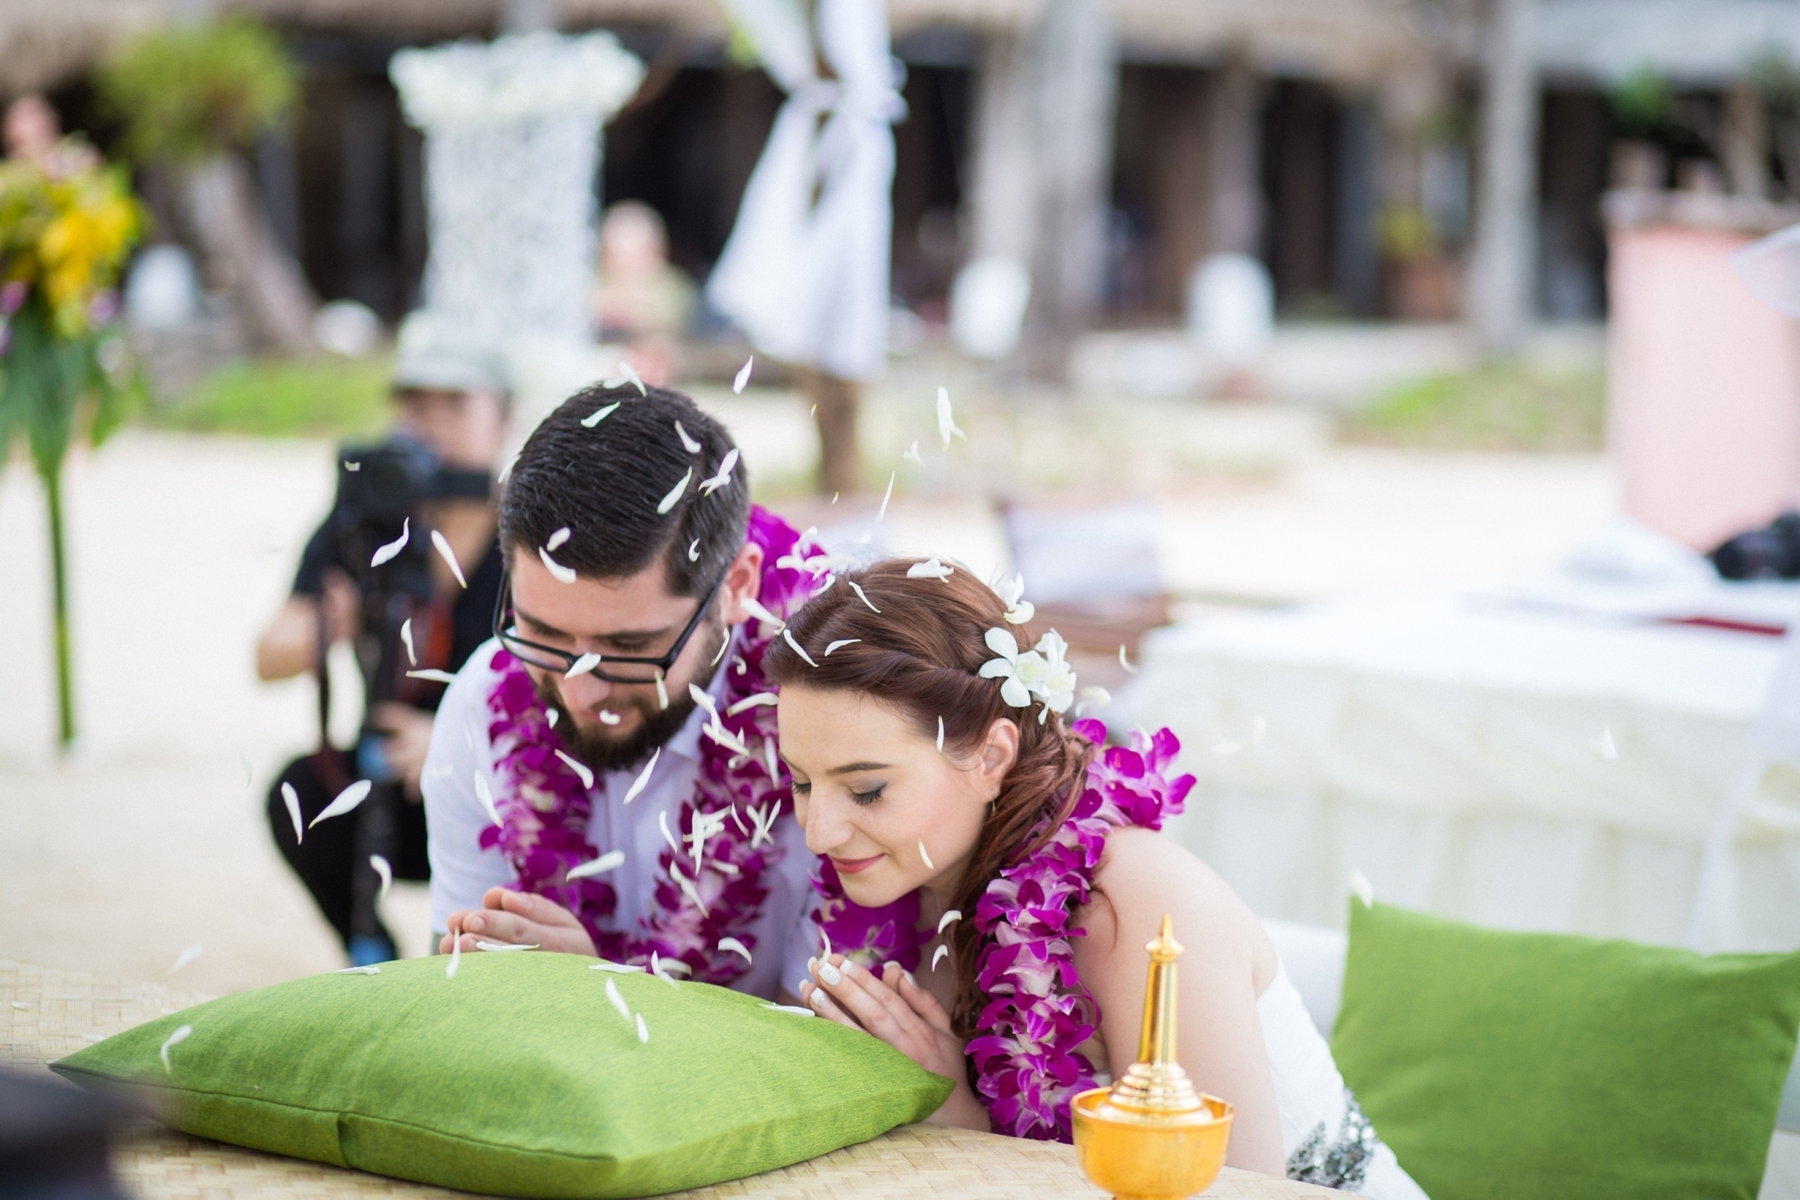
[1143, 875]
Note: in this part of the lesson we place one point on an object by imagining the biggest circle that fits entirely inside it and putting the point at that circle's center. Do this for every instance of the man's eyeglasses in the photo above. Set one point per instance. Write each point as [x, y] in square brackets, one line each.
[614, 668]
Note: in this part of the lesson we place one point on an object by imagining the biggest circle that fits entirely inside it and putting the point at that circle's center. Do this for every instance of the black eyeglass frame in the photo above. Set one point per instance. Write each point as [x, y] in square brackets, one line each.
[503, 604]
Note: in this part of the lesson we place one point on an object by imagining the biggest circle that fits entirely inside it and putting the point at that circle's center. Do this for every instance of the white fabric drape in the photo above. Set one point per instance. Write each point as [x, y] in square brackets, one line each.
[805, 272]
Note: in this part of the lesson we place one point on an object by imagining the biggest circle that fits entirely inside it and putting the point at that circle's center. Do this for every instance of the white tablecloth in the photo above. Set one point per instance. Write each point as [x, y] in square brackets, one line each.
[1453, 752]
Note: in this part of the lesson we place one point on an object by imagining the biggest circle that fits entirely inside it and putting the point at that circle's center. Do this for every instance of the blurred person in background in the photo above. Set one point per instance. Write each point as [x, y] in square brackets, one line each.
[642, 300]
[33, 134]
[402, 612]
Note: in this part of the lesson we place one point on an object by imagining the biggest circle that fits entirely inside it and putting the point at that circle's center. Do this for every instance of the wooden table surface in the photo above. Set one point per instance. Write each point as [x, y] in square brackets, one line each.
[48, 1013]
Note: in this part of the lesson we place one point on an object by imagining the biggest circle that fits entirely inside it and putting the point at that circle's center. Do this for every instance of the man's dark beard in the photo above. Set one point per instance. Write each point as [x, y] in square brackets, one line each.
[602, 753]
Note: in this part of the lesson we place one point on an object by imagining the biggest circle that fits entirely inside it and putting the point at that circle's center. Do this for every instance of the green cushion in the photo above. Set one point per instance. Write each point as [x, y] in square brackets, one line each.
[1522, 1065]
[517, 1076]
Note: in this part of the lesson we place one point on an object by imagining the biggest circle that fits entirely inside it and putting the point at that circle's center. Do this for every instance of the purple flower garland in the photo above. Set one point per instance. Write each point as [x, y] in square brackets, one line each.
[544, 808]
[1027, 1064]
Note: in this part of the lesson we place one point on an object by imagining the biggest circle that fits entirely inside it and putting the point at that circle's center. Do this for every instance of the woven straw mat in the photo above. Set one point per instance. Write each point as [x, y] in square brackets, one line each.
[47, 1013]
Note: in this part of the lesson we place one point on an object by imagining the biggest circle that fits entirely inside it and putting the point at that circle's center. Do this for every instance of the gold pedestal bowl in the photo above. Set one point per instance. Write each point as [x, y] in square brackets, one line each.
[1151, 1136]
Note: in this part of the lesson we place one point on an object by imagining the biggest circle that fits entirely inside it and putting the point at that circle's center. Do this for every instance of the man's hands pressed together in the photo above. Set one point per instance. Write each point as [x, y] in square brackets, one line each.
[518, 919]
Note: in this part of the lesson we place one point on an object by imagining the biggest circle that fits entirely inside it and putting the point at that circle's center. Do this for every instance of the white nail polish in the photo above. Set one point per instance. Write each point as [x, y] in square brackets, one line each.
[818, 998]
[812, 966]
[910, 979]
[829, 974]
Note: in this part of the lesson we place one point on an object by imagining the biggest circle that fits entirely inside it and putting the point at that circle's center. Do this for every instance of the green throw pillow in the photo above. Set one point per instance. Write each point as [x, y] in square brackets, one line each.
[517, 1076]
[1523, 1065]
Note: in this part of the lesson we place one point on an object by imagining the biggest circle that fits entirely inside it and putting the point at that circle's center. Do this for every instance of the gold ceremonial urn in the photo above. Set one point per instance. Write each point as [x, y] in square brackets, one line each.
[1151, 1136]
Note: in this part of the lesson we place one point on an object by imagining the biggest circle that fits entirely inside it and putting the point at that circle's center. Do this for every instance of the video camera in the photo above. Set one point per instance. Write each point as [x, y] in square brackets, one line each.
[382, 492]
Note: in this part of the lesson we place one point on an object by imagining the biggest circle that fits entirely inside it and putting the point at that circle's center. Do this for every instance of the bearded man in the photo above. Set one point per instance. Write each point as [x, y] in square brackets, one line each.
[602, 776]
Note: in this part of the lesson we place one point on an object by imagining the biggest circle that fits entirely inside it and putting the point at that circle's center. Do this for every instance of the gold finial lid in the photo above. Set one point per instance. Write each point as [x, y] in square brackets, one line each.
[1156, 1081]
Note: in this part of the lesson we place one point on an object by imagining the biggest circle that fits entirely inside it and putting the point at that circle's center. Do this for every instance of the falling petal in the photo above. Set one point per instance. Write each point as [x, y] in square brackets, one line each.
[938, 957]
[668, 501]
[947, 918]
[369, 970]
[662, 691]
[175, 1039]
[687, 439]
[557, 571]
[455, 957]
[615, 968]
[912, 453]
[926, 858]
[346, 800]
[352, 466]
[756, 609]
[736, 947]
[702, 700]
[499, 947]
[185, 957]
[385, 871]
[940, 744]
[552, 717]
[887, 495]
[840, 642]
[443, 547]
[433, 674]
[557, 538]
[789, 1008]
[406, 639]
[1362, 888]
[643, 1030]
[597, 866]
[724, 645]
[393, 548]
[743, 376]
[863, 596]
[826, 938]
[659, 968]
[946, 424]
[582, 665]
[580, 768]
[1123, 662]
[662, 823]
[291, 798]
[931, 568]
[608, 717]
[599, 415]
[486, 796]
[694, 550]
[760, 698]
[726, 466]
[788, 636]
[618, 1001]
[1098, 697]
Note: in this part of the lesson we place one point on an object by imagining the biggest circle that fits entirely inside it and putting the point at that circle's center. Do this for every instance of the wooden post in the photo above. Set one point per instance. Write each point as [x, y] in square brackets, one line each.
[1236, 147]
[1501, 276]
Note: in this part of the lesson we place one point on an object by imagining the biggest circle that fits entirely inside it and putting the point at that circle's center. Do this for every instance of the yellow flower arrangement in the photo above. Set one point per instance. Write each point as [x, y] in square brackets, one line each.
[66, 227]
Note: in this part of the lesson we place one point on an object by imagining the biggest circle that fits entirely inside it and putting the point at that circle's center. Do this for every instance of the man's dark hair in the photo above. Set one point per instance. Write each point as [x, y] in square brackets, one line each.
[605, 482]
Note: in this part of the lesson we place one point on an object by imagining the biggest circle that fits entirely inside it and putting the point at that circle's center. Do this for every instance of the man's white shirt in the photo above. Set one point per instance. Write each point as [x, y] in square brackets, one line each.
[461, 871]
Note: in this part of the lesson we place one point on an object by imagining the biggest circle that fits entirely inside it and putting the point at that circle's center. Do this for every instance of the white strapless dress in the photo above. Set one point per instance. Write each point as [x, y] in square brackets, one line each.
[1325, 1138]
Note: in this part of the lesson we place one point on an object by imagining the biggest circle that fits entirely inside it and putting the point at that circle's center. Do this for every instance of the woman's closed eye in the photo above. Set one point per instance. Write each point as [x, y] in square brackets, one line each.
[870, 796]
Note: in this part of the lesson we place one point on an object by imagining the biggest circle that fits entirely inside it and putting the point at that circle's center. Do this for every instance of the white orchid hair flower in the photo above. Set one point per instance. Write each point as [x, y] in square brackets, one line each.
[931, 568]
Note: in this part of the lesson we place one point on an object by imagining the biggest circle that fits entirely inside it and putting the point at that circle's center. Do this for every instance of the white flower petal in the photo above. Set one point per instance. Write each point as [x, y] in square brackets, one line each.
[582, 665]
[1002, 642]
[557, 538]
[185, 957]
[839, 644]
[557, 571]
[788, 636]
[555, 715]
[368, 970]
[1015, 693]
[580, 768]
[643, 780]
[743, 376]
[723, 478]
[662, 691]
[346, 800]
[174, 1039]
[939, 956]
[455, 956]
[687, 440]
[501, 947]
[912, 453]
[291, 798]
[694, 550]
[750, 702]
[385, 871]
[931, 568]
[443, 547]
[735, 947]
[433, 674]
[1122, 660]
[1021, 613]
[996, 668]
[675, 493]
[863, 596]
[608, 717]
[789, 1008]
[352, 466]
[393, 548]
[940, 740]
[887, 495]
[946, 424]
[597, 866]
[599, 415]
[926, 858]
[615, 968]
[755, 608]
[949, 916]
[406, 639]
[703, 700]
[618, 1001]
[643, 1030]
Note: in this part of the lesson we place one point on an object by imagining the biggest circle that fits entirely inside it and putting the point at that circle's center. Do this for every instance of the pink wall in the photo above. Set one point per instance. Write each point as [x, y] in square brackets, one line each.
[1705, 387]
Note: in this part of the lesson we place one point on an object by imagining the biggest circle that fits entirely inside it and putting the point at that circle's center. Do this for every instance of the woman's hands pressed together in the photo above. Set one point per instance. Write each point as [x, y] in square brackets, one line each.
[893, 1007]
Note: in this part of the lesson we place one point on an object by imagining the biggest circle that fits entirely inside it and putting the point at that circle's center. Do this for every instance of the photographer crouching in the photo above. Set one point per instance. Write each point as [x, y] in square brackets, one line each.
[377, 574]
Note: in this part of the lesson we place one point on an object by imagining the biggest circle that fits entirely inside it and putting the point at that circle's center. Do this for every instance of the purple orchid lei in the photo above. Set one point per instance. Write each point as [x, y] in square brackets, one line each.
[1027, 1064]
[742, 792]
